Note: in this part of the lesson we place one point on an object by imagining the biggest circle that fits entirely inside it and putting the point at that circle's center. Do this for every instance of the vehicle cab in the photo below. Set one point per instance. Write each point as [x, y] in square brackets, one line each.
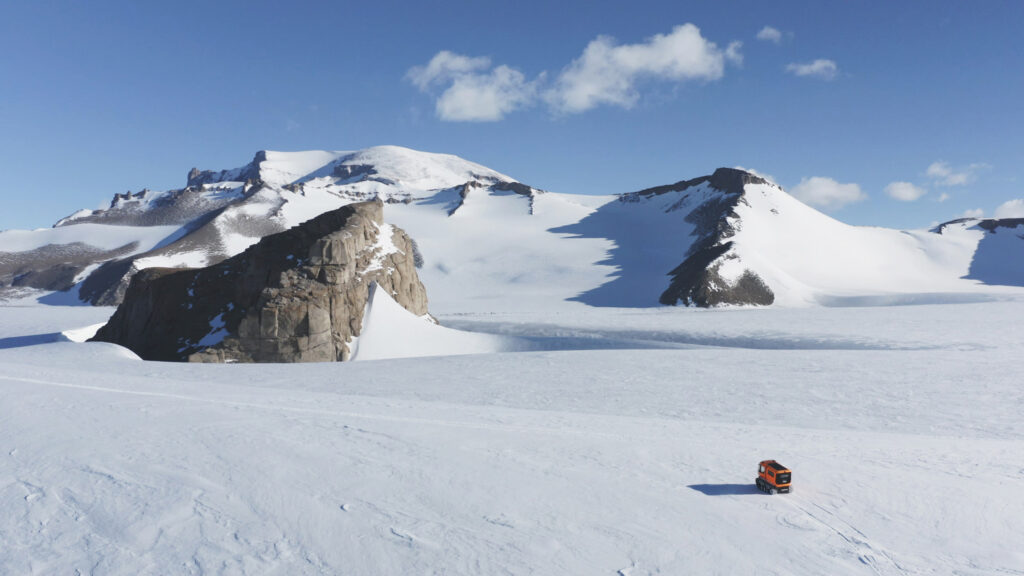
[773, 477]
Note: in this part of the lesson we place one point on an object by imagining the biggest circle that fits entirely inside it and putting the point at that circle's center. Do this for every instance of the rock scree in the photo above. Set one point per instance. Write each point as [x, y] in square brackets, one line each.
[295, 296]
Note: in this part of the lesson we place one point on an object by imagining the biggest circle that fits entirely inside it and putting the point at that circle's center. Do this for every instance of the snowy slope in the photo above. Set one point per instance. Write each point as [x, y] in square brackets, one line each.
[391, 331]
[806, 256]
[491, 243]
[902, 426]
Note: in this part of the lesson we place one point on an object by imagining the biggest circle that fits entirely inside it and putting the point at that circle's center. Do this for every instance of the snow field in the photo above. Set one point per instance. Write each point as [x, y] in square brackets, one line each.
[906, 451]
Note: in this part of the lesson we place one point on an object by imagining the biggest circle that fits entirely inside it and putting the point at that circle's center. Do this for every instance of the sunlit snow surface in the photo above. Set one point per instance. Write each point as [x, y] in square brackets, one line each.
[626, 443]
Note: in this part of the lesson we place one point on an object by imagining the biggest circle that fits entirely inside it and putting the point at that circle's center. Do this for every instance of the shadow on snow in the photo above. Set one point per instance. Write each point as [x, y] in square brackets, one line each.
[725, 489]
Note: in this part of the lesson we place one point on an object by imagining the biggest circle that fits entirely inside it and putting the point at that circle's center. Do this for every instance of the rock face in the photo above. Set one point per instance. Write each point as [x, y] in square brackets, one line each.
[696, 281]
[296, 296]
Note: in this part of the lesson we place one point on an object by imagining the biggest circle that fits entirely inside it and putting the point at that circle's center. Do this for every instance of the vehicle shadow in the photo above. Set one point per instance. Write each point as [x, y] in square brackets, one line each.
[725, 489]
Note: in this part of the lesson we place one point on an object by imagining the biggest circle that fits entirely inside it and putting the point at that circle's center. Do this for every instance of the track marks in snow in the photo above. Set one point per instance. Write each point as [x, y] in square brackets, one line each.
[868, 553]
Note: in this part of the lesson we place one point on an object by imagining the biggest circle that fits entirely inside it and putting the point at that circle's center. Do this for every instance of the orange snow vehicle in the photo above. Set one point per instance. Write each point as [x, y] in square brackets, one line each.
[773, 477]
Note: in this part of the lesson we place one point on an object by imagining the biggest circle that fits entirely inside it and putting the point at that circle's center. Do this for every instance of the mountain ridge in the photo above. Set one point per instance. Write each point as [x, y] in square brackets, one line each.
[730, 237]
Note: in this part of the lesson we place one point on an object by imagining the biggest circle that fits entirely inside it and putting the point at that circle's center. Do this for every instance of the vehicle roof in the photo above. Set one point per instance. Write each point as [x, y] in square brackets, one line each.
[776, 466]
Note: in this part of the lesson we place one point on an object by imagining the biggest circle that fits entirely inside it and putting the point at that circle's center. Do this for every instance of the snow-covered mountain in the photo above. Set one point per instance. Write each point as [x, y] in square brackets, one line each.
[490, 243]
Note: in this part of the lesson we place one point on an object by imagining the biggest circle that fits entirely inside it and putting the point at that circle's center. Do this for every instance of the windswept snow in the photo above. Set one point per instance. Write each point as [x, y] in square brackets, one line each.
[390, 331]
[101, 236]
[902, 426]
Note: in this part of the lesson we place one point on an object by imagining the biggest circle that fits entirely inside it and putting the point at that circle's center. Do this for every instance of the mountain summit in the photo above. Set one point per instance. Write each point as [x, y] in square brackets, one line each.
[486, 242]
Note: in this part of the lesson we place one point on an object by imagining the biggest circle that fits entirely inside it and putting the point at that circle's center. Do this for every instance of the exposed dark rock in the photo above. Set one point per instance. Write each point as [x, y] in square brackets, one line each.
[296, 296]
[354, 171]
[492, 185]
[729, 180]
[697, 282]
[991, 224]
[107, 284]
[52, 267]
[250, 172]
[517, 187]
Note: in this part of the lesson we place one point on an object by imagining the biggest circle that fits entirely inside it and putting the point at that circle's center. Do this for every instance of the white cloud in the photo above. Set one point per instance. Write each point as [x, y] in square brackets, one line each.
[770, 34]
[445, 66]
[820, 68]
[904, 191]
[607, 73]
[826, 193]
[944, 196]
[1011, 209]
[975, 213]
[945, 175]
[485, 97]
[474, 94]
[733, 54]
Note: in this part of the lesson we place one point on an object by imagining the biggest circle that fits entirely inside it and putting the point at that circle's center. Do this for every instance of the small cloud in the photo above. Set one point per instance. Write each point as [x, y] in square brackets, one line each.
[820, 68]
[904, 191]
[485, 97]
[942, 174]
[1011, 209]
[444, 66]
[474, 94]
[733, 54]
[826, 193]
[607, 73]
[944, 196]
[770, 34]
[975, 213]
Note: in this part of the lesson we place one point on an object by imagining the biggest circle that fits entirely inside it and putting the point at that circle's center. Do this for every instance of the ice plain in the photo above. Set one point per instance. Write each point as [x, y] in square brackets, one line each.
[595, 441]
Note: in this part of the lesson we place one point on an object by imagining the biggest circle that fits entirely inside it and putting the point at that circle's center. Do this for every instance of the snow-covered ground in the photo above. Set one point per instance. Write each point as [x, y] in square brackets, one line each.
[625, 442]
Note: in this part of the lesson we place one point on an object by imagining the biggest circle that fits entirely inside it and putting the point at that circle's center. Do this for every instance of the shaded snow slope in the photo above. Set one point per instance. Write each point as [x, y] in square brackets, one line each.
[906, 460]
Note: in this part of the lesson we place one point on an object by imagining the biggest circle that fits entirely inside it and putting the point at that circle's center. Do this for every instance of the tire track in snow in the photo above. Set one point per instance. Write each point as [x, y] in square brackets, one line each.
[867, 552]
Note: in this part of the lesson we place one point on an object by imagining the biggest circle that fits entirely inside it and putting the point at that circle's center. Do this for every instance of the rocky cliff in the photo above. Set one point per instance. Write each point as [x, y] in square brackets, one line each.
[296, 296]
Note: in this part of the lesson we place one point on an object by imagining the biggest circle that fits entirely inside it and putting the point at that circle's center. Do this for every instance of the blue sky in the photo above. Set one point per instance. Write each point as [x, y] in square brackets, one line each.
[882, 113]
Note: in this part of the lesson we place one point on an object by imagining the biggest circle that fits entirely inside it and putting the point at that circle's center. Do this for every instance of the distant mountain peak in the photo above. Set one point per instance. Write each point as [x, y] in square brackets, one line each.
[728, 180]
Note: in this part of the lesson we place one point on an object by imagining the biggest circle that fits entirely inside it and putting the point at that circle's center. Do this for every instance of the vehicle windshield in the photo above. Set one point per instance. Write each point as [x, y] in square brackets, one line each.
[782, 478]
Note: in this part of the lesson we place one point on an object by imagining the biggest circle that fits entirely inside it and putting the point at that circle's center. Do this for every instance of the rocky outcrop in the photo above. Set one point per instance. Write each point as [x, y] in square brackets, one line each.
[493, 186]
[51, 267]
[991, 224]
[698, 281]
[727, 180]
[296, 296]
[248, 173]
